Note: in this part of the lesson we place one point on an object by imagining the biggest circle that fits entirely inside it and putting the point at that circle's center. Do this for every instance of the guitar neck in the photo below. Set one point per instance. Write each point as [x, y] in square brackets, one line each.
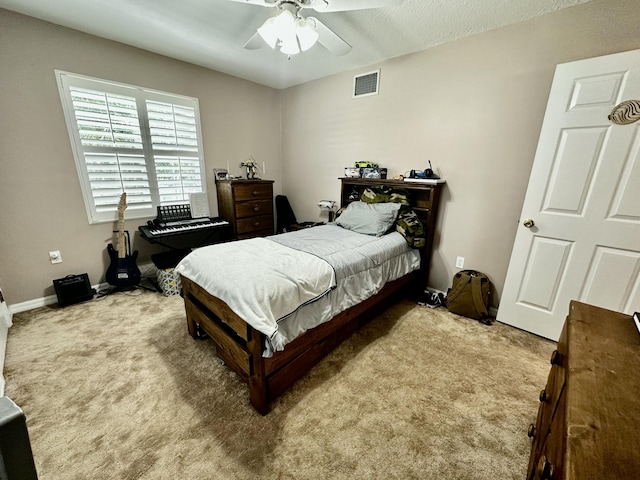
[122, 246]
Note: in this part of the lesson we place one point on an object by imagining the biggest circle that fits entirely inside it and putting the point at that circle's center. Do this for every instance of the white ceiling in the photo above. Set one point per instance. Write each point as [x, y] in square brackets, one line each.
[211, 33]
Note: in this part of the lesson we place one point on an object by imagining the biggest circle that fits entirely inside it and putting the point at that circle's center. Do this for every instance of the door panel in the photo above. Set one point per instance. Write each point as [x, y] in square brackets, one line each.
[544, 272]
[598, 90]
[584, 198]
[611, 278]
[626, 201]
[573, 167]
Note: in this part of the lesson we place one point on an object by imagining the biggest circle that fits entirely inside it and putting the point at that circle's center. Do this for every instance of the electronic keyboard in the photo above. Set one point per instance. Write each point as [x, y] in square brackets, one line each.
[181, 226]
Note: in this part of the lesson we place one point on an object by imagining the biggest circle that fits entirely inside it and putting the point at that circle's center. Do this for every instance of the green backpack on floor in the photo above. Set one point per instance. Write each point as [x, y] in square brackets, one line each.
[469, 295]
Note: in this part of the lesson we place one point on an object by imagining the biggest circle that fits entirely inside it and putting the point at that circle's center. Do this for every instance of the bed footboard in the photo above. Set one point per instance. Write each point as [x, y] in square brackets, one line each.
[240, 346]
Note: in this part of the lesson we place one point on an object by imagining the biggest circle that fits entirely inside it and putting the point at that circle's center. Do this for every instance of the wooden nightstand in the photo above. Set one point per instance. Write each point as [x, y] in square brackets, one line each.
[247, 205]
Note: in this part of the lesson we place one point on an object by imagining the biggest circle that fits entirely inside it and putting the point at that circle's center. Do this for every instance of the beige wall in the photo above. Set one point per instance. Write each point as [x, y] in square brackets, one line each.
[40, 197]
[473, 107]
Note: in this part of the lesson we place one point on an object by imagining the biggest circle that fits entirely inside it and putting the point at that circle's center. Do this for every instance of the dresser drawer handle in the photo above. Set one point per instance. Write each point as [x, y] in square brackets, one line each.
[254, 193]
[543, 395]
[256, 208]
[555, 358]
[546, 468]
[531, 432]
[256, 224]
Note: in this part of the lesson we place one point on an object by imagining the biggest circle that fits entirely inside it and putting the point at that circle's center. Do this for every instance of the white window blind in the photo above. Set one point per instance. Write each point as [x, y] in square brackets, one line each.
[134, 140]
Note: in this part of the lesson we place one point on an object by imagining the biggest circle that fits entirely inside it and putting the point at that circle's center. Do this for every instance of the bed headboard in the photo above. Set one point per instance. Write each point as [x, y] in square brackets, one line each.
[424, 200]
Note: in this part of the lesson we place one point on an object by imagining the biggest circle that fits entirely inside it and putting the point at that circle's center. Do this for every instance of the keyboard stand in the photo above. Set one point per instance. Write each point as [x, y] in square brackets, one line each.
[189, 238]
[180, 244]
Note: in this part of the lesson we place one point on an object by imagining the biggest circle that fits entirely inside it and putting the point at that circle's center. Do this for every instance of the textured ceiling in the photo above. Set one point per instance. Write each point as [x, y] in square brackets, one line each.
[211, 33]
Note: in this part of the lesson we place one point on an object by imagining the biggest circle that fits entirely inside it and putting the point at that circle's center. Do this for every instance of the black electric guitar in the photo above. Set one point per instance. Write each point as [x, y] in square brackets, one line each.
[123, 271]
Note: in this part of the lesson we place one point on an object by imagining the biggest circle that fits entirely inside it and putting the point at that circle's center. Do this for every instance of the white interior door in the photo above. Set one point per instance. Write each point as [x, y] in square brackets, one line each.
[584, 200]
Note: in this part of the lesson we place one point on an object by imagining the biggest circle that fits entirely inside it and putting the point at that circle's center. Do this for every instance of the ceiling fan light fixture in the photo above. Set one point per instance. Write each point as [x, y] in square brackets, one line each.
[290, 32]
[307, 36]
[290, 47]
[285, 21]
[269, 32]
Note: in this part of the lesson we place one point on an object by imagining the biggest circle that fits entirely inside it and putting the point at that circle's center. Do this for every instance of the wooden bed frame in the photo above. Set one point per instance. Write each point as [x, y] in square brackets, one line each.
[240, 346]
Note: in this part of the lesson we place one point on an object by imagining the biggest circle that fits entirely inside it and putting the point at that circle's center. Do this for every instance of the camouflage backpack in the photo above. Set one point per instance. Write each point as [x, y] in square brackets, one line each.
[469, 295]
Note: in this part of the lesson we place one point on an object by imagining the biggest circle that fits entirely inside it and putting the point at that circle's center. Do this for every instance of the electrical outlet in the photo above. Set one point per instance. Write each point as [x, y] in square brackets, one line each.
[55, 256]
[459, 262]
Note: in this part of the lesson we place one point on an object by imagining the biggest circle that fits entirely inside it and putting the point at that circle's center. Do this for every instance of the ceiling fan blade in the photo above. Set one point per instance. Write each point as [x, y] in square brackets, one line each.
[261, 3]
[329, 39]
[344, 5]
[254, 43]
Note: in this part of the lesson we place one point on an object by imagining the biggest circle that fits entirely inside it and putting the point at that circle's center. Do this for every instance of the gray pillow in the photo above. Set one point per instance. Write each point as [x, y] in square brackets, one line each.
[369, 218]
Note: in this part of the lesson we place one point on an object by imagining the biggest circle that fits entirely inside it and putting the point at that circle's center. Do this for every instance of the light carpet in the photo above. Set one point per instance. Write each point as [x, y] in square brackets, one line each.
[115, 388]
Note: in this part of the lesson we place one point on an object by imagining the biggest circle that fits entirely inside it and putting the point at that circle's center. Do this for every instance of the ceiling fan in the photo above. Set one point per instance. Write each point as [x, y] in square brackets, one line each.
[293, 33]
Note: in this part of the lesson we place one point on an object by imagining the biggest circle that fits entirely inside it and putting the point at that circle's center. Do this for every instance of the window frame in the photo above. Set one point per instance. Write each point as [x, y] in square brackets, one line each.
[67, 80]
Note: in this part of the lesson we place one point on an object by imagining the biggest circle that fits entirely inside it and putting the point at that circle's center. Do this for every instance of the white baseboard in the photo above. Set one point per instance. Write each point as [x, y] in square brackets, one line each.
[147, 269]
[31, 304]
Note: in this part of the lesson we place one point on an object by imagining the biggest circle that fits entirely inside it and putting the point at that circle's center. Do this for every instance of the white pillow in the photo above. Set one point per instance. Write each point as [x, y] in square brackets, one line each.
[369, 218]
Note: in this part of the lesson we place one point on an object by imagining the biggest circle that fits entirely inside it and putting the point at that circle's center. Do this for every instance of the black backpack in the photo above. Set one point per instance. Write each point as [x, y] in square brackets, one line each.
[469, 295]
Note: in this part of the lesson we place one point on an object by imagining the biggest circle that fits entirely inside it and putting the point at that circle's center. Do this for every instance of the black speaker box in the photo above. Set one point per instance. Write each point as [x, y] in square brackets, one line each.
[73, 289]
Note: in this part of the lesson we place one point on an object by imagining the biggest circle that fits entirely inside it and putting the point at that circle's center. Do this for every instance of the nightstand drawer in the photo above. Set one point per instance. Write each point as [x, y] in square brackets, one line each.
[249, 192]
[252, 209]
[253, 224]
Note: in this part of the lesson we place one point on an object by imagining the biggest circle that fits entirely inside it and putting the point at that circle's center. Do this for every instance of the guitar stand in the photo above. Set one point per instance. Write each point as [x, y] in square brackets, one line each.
[129, 288]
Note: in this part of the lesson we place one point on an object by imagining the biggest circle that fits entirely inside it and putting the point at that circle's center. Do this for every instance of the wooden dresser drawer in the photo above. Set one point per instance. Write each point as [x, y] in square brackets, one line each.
[254, 224]
[549, 398]
[550, 460]
[254, 208]
[250, 192]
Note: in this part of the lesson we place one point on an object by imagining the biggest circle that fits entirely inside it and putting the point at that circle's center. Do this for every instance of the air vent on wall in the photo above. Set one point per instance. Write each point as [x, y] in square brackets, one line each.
[366, 84]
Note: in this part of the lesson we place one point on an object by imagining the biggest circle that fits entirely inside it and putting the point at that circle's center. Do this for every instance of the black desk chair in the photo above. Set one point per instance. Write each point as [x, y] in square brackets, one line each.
[285, 218]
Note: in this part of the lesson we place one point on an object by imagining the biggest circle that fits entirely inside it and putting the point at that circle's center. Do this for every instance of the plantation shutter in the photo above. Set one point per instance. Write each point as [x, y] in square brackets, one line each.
[133, 140]
[110, 135]
[174, 141]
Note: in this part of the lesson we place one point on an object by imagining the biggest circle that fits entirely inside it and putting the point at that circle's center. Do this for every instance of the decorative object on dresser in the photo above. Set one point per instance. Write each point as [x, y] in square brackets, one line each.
[248, 205]
[252, 168]
[588, 424]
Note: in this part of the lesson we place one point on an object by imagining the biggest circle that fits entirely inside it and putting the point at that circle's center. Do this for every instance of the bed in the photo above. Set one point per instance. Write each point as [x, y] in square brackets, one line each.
[271, 346]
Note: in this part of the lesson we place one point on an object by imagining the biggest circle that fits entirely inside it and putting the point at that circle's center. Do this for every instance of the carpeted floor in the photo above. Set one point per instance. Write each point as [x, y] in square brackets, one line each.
[116, 389]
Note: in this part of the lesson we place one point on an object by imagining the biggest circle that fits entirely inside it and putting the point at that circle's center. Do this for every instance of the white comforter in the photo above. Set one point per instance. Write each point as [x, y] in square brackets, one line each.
[362, 265]
[260, 280]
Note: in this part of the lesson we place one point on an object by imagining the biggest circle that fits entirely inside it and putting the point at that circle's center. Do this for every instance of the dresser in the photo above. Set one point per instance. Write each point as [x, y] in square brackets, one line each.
[588, 424]
[247, 205]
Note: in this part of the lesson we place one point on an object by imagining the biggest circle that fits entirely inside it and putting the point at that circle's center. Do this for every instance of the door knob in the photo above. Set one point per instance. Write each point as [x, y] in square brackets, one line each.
[528, 223]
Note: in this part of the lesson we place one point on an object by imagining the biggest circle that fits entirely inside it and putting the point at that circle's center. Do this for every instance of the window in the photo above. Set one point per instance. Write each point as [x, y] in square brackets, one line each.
[134, 140]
